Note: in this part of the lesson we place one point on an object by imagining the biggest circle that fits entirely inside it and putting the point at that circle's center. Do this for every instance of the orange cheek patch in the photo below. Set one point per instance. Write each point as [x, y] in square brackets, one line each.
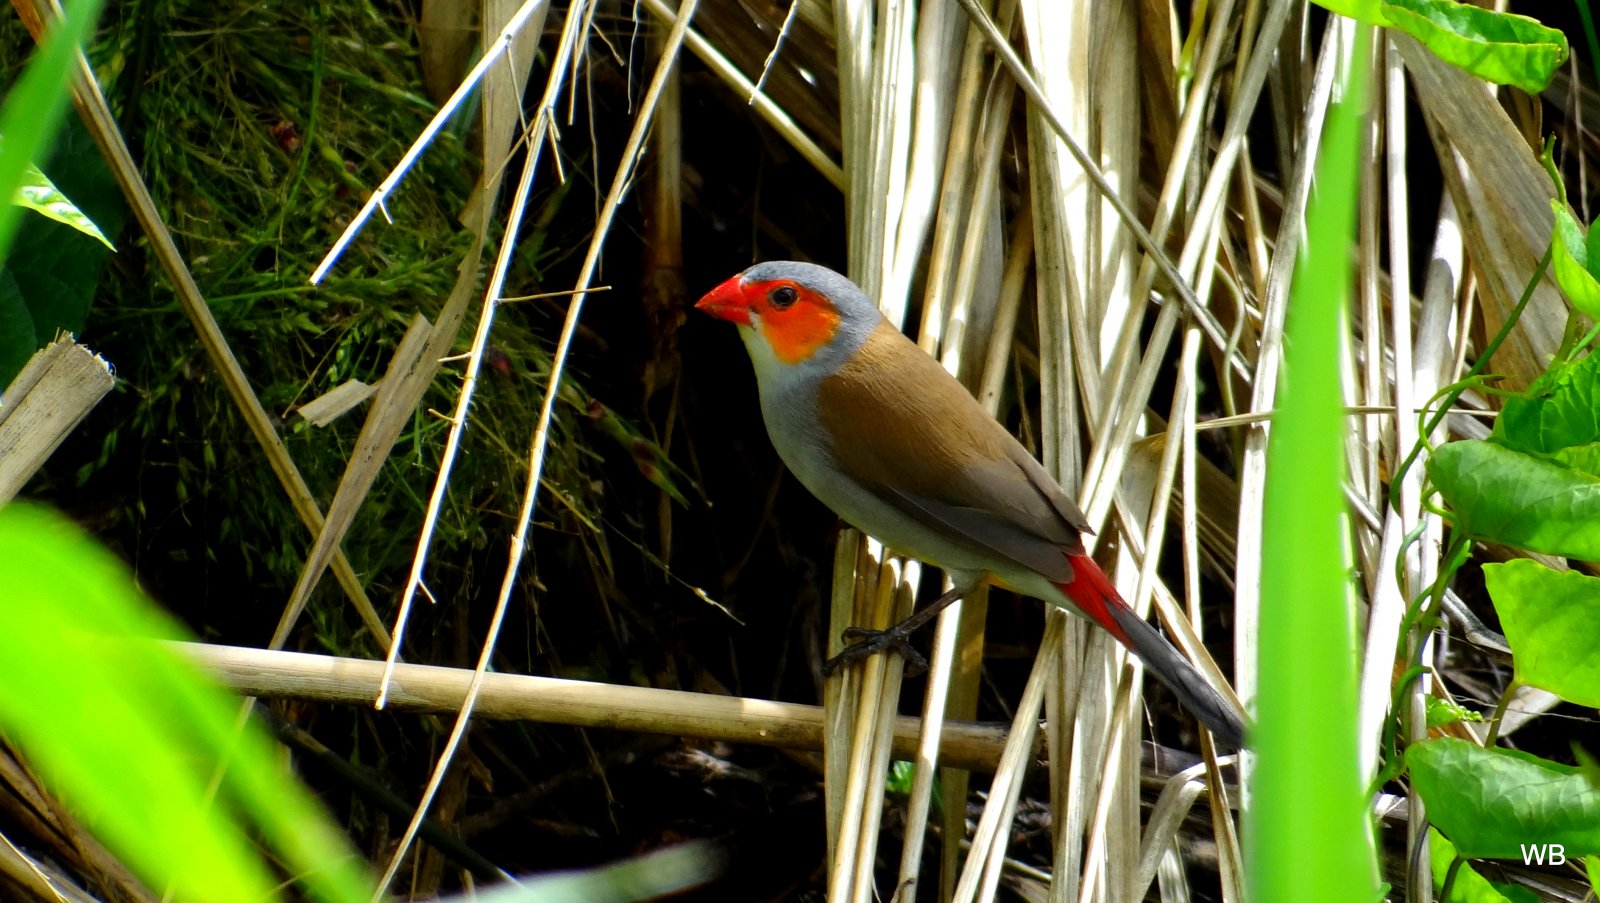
[796, 334]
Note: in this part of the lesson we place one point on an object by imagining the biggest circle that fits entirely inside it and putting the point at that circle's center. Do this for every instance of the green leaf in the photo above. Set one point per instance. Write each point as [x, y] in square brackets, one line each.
[1494, 803]
[1516, 893]
[1552, 623]
[901, 774]
[1570, 261]
[1468, 886]
[1504, 496]
[1442, 712]
[35, 103]
[1369, 12]
[53, 270]
[1581, 458]
[1499, 47]
[1592, 252]
[132, 734]
[1587, 766]
[1561, 410]
[39, 194]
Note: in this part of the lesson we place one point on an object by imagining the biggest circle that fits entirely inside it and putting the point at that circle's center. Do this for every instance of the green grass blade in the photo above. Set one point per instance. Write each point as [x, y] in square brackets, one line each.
[1307, 832]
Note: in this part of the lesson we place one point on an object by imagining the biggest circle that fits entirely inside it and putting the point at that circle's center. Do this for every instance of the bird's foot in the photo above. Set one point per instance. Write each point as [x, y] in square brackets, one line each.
[896, 638]
[865, 641]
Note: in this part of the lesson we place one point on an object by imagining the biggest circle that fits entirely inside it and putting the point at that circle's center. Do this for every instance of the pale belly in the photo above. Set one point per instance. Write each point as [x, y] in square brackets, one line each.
[967, 565]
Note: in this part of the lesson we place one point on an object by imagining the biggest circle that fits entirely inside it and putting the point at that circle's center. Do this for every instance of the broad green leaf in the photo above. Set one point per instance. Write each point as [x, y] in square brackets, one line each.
[1582, 458]
[35, 102]
[1468, 886]
[1587, 766]
[1499, 47]
[1369, 12]
[53, 270]
[1516, 893]
[1495, 803]
[1552, 623]
[1504, 496]
[1570, 261]
[1561, 410]
[131, 734]
[39, 194]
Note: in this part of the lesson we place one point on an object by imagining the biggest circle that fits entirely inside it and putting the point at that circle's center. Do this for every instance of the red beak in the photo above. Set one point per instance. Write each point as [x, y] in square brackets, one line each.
[726, 302]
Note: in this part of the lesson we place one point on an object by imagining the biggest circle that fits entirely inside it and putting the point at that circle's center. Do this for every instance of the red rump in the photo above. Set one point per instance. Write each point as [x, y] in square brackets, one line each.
[1094, 595]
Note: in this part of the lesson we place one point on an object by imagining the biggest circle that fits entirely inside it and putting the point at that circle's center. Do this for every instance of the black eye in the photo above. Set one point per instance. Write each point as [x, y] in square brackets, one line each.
[783, 297]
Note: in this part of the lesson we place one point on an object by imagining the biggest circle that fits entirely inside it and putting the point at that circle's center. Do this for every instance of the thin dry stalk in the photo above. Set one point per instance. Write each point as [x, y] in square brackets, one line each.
[620, 182]
[954, 191]
[1132, 670]
[980, 257]
[571, 32]
[1365, 469]
[1160, 833]
[1387, 598]
[1434, 365]
[491, 55]
[993, 826]
[854, 710]
[41, 879]
[939, 41]
[899, 577]
[503, 88]
[769, 111]
[391, 411]
[427, 688]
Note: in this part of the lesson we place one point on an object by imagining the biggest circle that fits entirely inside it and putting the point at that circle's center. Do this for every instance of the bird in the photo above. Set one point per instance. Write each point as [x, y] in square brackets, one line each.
[884, 436]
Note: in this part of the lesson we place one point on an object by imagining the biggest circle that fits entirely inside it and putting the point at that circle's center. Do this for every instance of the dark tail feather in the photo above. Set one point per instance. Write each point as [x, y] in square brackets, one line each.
[1094, 595]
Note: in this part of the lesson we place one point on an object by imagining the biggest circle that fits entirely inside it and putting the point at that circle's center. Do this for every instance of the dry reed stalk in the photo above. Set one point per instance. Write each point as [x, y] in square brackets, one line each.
[619, 185]
[543, 123]
[428, 688]
[392, 406]
[58, 387]
[769, 111]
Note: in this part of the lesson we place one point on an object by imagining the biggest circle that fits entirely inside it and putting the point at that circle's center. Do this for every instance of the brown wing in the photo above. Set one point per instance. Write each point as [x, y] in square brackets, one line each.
[901, 425]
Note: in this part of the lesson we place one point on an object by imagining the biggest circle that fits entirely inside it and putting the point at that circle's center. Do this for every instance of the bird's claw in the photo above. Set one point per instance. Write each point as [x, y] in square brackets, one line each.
[865, 641]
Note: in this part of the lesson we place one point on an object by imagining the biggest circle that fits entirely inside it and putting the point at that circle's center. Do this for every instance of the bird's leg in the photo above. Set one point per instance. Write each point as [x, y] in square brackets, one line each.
[897, 638]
